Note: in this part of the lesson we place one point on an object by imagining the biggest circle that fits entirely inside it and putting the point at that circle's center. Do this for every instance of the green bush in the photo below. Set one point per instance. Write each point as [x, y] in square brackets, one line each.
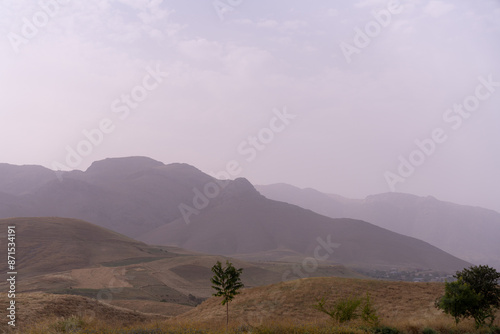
[343, 310]
[346, 309]
[369, 314]
[493, 330]
[385, 330]
[428, 330]
[69, 325]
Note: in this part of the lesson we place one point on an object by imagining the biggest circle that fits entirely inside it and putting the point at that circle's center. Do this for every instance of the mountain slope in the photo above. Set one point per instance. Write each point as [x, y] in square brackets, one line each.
[49, 245]
[68, 256]
[139, 196]
[17, 180]
[468, 232]
[254, 227]
[127, 195]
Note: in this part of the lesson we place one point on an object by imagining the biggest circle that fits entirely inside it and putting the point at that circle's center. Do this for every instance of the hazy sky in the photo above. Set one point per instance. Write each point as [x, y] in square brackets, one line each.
[348, 97]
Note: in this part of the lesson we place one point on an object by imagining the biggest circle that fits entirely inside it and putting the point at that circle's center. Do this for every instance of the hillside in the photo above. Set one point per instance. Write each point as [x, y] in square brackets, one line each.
[142, 198]
[293, 301]
[255, 227]
[467, 232]
[68, 256]
[407, 305]
[49, 245]
[35, 309]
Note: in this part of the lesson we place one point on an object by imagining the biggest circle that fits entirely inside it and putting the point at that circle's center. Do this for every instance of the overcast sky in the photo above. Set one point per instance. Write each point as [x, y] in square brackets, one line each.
[348, 97]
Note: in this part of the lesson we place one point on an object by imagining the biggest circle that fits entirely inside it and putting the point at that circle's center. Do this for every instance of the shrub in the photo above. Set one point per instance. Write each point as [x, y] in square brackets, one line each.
[368, 313]
[428, 330]
[385, 330]
[342, 311]
[69, 325]
[346, 309]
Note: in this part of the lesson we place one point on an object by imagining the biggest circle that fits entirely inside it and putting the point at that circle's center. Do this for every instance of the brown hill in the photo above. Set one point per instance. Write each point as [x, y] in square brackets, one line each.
[405, 305]
[292, 302]
[49, 245]
[34, 309]
[68, 256]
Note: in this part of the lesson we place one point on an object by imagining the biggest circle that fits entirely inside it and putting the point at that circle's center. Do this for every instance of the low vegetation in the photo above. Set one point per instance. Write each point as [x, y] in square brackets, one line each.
[287, 307]
[347, 309]
[84, 325]
[226, 283]
[475, 294]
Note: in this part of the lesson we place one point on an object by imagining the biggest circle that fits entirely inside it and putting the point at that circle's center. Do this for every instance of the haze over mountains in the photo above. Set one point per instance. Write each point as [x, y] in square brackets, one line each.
[470, 233]
[141, 198]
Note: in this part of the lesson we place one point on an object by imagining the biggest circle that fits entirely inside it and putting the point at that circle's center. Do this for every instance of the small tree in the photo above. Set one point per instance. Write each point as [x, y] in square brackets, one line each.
[475, 294]
[226, 283]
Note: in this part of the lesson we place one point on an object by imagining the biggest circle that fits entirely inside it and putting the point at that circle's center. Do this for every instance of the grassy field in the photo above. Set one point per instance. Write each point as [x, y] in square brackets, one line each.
[86, 324]
[285, 307]
[73, 257]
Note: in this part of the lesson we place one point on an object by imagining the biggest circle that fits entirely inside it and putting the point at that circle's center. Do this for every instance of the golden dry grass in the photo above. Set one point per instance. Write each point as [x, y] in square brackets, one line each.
[295, 300]
[33, 309]
[404, 305]
[285, 307]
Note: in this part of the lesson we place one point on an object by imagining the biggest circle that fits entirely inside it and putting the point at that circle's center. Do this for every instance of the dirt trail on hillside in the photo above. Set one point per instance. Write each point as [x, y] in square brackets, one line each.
[100, 278]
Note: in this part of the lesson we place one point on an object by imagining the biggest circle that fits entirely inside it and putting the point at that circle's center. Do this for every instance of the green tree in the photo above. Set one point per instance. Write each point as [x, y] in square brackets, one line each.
[458, 300]
[475, 294]
[226, 283]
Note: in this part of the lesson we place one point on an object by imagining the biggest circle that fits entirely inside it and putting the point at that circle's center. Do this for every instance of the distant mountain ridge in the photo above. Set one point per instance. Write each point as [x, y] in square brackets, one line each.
[179, 205]
[468, 232]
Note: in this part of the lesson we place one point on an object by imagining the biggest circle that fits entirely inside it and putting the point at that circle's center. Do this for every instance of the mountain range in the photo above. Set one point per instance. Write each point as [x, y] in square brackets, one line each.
[177, 204]
[468, 232]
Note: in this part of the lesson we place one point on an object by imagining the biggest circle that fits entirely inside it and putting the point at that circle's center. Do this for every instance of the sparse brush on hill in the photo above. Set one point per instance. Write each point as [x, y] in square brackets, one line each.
[347, 308]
